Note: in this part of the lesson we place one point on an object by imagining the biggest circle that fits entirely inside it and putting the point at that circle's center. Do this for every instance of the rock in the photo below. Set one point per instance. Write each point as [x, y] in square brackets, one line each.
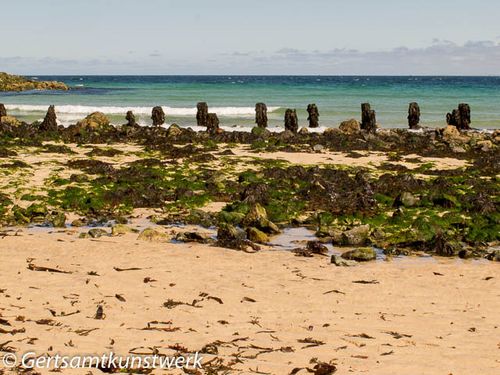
[350, 126]
[3, 111]
[406, 199]
[212, 123]
[10, 120]
[261, 132]
[130, 117]
[341, 262]
[460, 118]
[57, 219]
[174, 131]
[94, 121]
[356, 236]
[316, 247]
[257, 236]
[451, 133]
[153, 235]
[10, 82]
[77, 223]
[158, 116]
[368, 120]
[97, 232]
[303, 131]
[191, 237]
[49, 123]
[458, 149]
[318, 148]
[413, 115]
[202, 114]
[313, 118]
[257, 217]
[363, 254]
[233, 238]
[261, 115]
[36, 210]
[485, 145]
[291, 121]
[494, 256]
[121, 229]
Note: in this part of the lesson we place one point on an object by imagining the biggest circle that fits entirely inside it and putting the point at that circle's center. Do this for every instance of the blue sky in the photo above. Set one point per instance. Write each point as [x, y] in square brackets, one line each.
[250, 37]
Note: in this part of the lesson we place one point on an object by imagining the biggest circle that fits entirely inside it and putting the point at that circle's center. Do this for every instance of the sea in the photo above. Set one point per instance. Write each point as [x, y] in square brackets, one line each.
[233, 98]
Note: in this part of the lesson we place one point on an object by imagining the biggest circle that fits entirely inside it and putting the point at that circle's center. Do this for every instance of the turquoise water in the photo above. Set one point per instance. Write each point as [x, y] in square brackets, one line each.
[233, 98]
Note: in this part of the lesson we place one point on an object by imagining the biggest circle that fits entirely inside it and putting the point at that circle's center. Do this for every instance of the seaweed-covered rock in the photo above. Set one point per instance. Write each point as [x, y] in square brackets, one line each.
[153, 235]
[232, 237]
[257, 236]
[406, 199]
[362, 254]
[316, 247]
[261, 115]
[257, 217]
[94, 121]
[121, 229]
[313, 117]
[494, 255]
[260, 132]
[158, 116]
[356, 236]
[350, 126]
[202, 114]
[291, 121]
[57, 219]
[341, 262]
[49, 123]
[191, 237]
[97, 232]
[174, 131]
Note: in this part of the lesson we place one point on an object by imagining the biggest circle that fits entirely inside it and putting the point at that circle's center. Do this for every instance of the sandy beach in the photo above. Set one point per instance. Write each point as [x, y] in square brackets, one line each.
[268, 312]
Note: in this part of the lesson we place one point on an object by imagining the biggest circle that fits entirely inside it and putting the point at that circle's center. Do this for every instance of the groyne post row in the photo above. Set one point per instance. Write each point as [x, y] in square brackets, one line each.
[459, 117]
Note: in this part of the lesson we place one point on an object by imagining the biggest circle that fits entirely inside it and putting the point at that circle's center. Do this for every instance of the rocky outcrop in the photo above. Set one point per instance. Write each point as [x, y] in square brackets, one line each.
[130, 117]
[10, 120]
[3, 111]
[9, 82]
[313, 118]
[291, 121]
[261, 115]
[413, 115]
[158, 116]
[202, 114]
[212, 123]
[350, 126]
[460, 117]
[49, 123]
[368, 120]
[94, 121]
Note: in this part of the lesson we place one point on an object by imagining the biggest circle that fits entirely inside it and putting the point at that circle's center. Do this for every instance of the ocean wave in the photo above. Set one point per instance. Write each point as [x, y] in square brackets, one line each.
[83, 110]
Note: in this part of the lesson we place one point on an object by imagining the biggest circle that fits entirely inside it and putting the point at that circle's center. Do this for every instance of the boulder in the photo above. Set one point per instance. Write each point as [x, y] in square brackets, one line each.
[174, 131]
[494, 255]
[406, 199]
[158, 116]
[49, 123]
[313, 117]
[316, 247]
[356, 236]
[413, 115]
[202, 114]
[341, 262]
[212, 123]
[94, 121]
[350, 126]
[57, 219]
[485, 145]
[451, 133]
[257, 236]
[291, 121]
[191, 237]
[257, 217]
[121, 229]
[97, 232]
[232, 237]
[10, 120]
[261, 132]
[261, 115]
[362, 254]
[460, 118]
[3, 111]
[303, 131]
[153, 235]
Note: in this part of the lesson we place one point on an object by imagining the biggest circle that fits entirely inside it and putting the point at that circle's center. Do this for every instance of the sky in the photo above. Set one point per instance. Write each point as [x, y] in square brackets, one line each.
[323, 37]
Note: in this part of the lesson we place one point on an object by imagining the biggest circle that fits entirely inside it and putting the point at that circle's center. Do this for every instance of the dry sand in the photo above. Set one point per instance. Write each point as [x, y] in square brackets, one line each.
[422, 316]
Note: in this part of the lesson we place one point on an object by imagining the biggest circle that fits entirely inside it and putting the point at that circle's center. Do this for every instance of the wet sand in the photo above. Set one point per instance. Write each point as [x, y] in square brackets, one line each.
[271, 311]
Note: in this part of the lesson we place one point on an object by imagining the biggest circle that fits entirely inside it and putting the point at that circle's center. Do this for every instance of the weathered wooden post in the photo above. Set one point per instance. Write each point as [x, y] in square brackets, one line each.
[130, 117]
[212, 123]
[368, 120]
[313, 118]
[158, 116]
[413, 115]
[202, 114]
[291, 121]
[3, 111]
[460, 118]
[261, 115]
[49, 123]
